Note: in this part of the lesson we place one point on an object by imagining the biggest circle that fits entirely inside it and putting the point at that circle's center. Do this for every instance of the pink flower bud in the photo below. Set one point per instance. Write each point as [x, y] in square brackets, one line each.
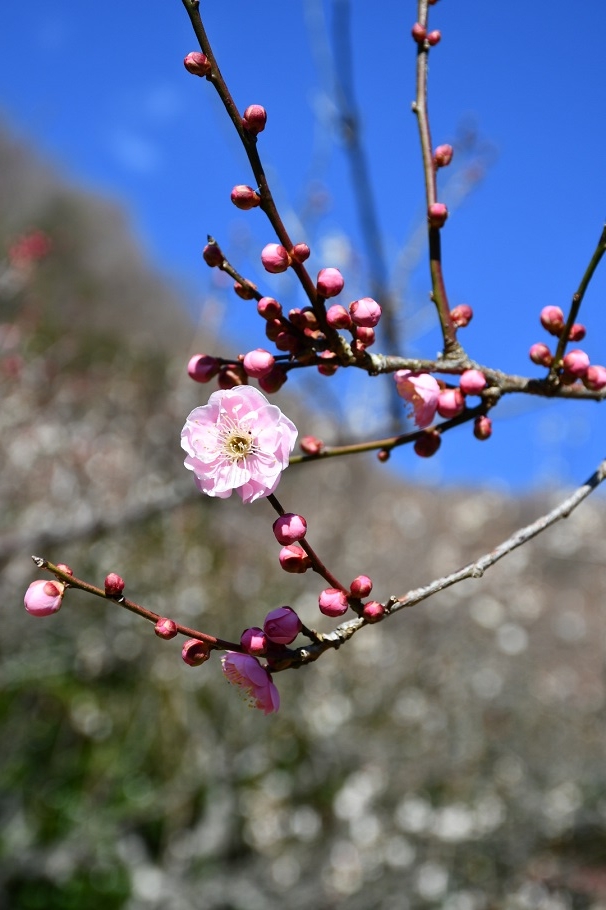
[329, 368]
[576, 363]
[197, 64]
[244, 197]
[303, 318]
[365, 312]
[437, 214]
[301, 252]
[64, 568]
[472, 382]
[294, 559]
[254, 118]
[338, 317]
[273, 328]
[287, 341]
[330, 282]
[373, 611]
[289, 528]
[245, 291]
[43, 597]
[231, 376]
[282, 625]
[552, 319]
[443, 156]
[451, 403]
[274, 380]
[541, 355]
[254, 640]
[365, 335]
[275, 258]
[166, 628]
[595, 378]
[482, 427]
[434, 38]
[428, 443]
[269, 308]
[311, 445]
[361, 586]
[195, 652]
[333, 602]
[383, 455]
[258, 363]
[212, 255]
[114, 585]
[202, 367]
[420, 390]
[461, 315]
[577, 332]
[418, 33]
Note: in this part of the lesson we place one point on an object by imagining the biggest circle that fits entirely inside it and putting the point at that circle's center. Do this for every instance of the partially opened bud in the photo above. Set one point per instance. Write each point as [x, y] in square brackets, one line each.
[166, 628]
[258, 363]
[289, 528]
[275, 258]
[254, 640]
[330, 282]
[202, 367]
[195, 652]
[197, 64]
[333, 602]
[282, 625]
[254, 118]
[43, 597]
[114, 585]
[365, 312]
[244, 197]
[294, 559]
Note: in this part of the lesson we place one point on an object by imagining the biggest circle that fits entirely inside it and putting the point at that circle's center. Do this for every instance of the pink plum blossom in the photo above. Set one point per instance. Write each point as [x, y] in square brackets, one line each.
[282, 625]
[421, 391]
[246, 672]
[238, 441]
[43, 597]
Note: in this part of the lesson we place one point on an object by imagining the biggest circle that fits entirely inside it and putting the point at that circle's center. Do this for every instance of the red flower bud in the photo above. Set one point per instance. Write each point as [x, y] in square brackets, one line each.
[442, 156]
[294, 559]
[273, 380]
[434, 38]
[333, 602]
[330, 282]
[373, 611]
[437, 213]
[166, 628]
[212, 255]
[301, 252]
[418, 32]
[197, 64]
[275, 258]
[195, 652]
[203, 367]
[552, 319]
[482, 427]
[428, 443]
[541, 355]
[361, 586]
[311, 445]
[254, 118]
[269, 308]
[461, 315]
[244, 197]
[289, 528]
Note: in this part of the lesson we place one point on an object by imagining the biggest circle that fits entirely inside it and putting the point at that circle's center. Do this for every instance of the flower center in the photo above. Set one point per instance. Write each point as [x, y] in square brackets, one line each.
[236, 441]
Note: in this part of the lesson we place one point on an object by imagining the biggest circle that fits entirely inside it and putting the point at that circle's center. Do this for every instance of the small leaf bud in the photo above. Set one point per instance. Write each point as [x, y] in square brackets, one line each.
[383, 455]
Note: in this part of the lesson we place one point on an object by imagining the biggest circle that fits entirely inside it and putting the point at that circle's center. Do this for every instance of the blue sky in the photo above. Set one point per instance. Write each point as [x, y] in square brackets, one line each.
[101, 91]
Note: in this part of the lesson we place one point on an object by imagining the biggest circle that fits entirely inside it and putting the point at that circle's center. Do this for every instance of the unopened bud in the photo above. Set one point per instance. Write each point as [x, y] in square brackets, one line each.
[373, 611]
[437, 213]
[254, 640]
[212, 255]
[365, 312]
[330, 282]
[461, 315]
[294, 559]
[258, 363]
[311, 445]
[269, 308]
[289, 528]
[418, 32]
[434, 38]
[333, 602]
[282, 625]
[43, 597]
[577, 332]
[114, 585]
[595, 378]
[197, 64]
[301, 252]
[231, 376]
[442, 156]
[244, 197]
[195, 652]
[202, 367]
[428, 443]
[383, 455]
[275, 258]
[65, 568]
[451, 403]
[365, 335]
[338, 317]
[273, 380]
[482, 427]
[166, 628]
[254, 118]
[552, 319]
[472, 382]
[576, 363]
[361, 586]
[245, 291]
[540, 354]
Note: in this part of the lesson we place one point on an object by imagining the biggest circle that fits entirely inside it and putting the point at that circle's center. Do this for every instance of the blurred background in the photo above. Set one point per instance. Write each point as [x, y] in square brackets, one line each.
[452, 759]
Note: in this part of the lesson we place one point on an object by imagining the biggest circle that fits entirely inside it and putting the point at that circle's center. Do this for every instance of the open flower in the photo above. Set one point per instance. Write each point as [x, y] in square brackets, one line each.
[255, 681]
[238, 441]
[421, 391]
